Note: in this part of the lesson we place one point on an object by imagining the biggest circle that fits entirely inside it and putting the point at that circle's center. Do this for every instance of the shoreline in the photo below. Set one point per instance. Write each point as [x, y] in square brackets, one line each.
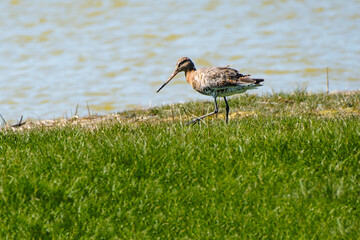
[152, 113]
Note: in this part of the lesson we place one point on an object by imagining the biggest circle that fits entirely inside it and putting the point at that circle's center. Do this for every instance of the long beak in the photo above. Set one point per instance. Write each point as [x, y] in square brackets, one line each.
[171, 77]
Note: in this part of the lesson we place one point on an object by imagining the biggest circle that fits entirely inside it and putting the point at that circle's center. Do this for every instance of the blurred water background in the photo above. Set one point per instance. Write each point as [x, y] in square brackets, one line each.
[112, 55]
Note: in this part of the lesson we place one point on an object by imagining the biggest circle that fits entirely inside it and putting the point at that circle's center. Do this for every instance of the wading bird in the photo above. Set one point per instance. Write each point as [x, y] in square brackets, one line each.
[215, 82]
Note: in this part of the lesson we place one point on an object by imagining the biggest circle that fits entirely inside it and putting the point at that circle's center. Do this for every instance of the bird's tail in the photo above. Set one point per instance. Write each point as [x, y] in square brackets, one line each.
[257, 80]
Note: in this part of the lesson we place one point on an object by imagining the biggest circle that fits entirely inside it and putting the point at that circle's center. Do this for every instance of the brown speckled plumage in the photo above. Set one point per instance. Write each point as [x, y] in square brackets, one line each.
[214, 81]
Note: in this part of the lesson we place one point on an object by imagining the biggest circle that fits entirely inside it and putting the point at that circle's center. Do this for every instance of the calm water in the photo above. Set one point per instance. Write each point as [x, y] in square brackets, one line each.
[113, 55]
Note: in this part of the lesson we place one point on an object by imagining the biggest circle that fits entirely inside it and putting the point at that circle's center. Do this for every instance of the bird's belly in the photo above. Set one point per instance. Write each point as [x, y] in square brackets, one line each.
[230, 91]
[224, 92]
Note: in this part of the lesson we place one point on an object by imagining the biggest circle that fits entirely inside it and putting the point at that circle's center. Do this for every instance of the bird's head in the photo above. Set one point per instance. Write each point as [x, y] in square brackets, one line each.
[183, 64]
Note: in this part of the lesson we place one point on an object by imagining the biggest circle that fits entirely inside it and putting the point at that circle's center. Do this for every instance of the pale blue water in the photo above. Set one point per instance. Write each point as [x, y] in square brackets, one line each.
[113, 55]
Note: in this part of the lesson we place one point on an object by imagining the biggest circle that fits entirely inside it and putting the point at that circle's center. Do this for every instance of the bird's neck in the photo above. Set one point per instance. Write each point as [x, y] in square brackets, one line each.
[189, 75]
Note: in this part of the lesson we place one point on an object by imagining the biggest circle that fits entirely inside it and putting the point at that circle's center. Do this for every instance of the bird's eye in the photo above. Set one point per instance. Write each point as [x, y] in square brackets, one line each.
[181, 63]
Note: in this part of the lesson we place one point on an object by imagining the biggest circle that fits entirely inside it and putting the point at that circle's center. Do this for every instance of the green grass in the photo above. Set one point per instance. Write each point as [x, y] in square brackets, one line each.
[286, 167]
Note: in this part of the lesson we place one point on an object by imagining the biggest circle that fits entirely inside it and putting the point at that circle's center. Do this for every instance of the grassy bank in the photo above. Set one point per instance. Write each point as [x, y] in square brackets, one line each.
[286, 166]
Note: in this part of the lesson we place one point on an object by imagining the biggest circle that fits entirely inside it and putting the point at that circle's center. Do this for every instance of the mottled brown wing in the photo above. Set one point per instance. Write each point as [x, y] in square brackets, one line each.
[224, 77]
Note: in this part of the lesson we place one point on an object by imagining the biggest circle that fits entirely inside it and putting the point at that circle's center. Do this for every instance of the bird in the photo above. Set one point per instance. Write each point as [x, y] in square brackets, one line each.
[215, 82]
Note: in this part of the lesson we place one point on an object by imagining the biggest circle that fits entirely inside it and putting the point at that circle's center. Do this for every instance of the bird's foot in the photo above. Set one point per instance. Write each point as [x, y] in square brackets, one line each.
[194, 121]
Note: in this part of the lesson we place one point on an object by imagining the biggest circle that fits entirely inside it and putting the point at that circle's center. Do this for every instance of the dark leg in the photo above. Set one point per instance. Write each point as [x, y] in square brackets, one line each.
[227, 110]
[209, 114]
